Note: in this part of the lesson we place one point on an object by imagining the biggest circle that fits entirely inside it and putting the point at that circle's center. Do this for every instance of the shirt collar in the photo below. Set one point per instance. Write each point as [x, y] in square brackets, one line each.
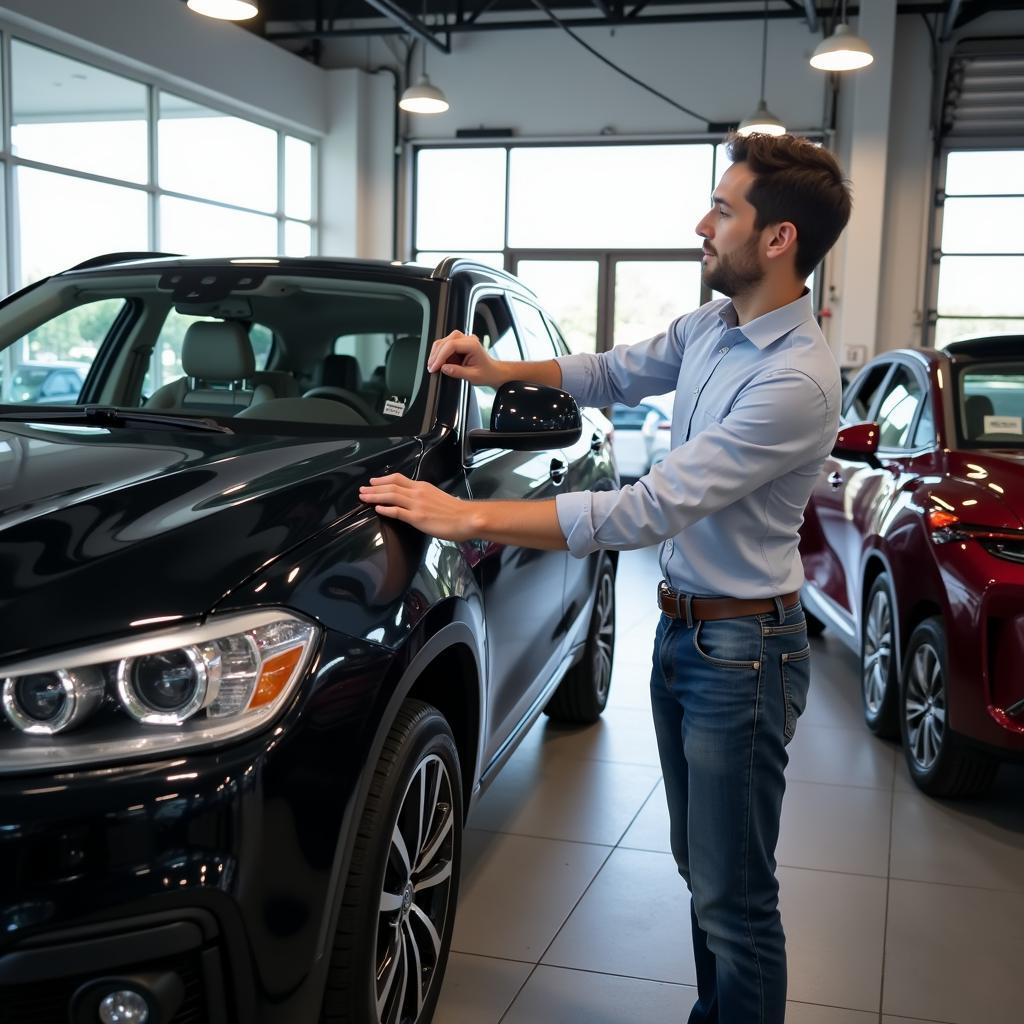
[771, 326]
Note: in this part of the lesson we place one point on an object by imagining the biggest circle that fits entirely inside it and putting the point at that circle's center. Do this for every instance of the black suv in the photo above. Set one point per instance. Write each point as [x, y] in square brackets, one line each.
[243, 716]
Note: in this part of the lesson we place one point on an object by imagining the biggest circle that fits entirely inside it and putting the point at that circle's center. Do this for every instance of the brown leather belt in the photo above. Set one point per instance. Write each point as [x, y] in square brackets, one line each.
[674, 605]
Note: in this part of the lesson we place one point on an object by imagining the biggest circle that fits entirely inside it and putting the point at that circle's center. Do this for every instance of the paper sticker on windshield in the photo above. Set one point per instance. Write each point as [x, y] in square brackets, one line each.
[394, 407]
[1003, 425]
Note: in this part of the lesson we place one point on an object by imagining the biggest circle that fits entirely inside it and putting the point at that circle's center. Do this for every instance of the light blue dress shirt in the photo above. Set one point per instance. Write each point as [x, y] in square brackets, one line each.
[756, 413]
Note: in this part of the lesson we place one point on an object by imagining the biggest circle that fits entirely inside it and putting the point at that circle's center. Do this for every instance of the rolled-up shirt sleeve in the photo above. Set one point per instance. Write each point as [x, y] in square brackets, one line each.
[628, 373]
[778, 423]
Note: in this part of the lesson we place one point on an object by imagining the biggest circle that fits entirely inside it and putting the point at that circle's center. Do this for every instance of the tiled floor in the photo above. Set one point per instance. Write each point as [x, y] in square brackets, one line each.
[897, 908]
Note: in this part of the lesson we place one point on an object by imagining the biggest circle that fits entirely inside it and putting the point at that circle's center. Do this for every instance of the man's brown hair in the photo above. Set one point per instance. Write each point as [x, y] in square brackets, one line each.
[799, 182]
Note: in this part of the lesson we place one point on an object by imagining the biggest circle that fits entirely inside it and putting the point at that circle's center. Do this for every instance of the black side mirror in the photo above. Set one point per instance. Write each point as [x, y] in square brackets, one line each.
[530, 418]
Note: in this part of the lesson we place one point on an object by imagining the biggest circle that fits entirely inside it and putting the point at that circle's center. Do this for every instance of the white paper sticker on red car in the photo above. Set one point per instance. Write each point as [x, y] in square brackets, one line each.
[1003, 425]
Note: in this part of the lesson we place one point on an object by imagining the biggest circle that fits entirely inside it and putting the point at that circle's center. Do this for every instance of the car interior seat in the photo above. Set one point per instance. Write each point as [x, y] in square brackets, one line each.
[219, 367]
[402, 369]
[976, 408]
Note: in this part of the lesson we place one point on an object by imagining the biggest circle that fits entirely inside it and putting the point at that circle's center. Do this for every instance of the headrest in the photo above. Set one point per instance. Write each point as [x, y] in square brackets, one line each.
[401, 370]
[976, 408]
[217, 350]
[340, 372]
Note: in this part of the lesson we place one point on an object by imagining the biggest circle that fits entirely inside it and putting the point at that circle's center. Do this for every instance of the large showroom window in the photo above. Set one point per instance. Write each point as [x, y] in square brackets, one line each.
[981, 249]
[98, 162]
[603, 233]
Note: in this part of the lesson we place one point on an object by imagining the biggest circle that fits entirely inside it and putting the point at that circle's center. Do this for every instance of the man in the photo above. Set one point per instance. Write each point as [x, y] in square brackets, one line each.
[756, 413]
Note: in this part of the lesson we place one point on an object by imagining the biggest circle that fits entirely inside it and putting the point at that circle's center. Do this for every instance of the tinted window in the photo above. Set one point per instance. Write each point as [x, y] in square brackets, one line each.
[492, 324]
[896, 412]
[990, 406]
[536, 339]
[859, 400]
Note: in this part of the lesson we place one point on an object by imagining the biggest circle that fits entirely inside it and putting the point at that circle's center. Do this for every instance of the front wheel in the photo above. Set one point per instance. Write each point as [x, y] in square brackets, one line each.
[583, 692]
[398, 911]
[939, 762]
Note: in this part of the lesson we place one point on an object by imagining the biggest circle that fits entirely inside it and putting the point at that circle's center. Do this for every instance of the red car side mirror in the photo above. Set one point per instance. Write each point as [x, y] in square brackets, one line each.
[859, 443]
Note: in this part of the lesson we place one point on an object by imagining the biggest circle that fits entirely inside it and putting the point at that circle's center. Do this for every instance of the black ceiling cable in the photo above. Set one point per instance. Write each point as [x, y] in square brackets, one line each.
[615, 67]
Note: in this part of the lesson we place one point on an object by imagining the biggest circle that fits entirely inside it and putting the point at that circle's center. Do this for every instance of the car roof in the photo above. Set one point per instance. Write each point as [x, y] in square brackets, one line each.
[999, 346]
[449, 267]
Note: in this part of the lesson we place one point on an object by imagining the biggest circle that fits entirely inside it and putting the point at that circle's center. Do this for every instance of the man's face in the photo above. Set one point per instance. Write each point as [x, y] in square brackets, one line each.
[732, 262]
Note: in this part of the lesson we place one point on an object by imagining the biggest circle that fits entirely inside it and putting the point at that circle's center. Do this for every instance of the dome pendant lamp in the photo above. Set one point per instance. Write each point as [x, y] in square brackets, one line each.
[762, 121]
[842, 51]
[225, 10]
[424, 97]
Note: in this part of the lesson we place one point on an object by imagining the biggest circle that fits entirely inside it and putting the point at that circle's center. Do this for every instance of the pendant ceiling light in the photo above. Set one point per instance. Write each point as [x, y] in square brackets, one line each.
[842, 51]
[424, 97]
[226, 10]
[762, 121]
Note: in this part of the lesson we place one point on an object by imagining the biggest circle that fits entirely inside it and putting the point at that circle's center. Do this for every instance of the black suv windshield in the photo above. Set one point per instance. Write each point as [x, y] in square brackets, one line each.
[257, 348]
[990, 405]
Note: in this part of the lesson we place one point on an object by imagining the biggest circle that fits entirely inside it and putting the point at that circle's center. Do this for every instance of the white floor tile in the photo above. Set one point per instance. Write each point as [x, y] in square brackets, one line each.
[478, 989]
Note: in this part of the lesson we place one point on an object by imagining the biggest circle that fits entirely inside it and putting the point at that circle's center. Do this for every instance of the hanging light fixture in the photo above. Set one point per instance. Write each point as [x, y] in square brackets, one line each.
[762, 121]
[226, 10]
[842, 51]
[424, 97]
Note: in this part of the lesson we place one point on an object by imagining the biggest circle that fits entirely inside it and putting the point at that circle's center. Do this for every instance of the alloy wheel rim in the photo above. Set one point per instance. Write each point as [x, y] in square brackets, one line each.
[604, 636]
[925, 708]
[877, 652]
[415, 896]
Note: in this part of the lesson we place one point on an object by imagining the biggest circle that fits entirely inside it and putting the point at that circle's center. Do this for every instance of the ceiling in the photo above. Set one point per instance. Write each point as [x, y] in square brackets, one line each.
[289, 21]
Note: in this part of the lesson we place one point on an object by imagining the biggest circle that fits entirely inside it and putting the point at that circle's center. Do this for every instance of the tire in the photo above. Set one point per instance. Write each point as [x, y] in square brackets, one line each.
[879, 669]
[940, 763]
[583, 693]
[815, 627]
[418, 762]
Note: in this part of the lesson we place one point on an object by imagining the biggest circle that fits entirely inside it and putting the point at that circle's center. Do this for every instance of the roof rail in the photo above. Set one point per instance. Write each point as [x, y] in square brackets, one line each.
[119, 257]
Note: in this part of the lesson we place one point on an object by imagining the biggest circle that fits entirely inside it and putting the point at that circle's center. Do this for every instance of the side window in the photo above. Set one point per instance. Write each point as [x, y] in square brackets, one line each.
[536, 339]
[924, 432]
[902, 396]
[858, 402]
[559, 339]
[51, 362]
[492, 324]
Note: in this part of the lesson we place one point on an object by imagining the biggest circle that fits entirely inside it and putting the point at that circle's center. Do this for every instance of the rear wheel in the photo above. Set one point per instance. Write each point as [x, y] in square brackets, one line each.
[939, 762]
[395, 926]
[583, 692]
[878, 666]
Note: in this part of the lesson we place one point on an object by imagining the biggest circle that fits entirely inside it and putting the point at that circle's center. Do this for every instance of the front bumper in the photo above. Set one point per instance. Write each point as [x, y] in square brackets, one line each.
[217, 867]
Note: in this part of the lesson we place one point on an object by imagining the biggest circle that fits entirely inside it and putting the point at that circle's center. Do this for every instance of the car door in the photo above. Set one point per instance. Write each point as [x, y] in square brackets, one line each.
[522, 587]
[827, 536]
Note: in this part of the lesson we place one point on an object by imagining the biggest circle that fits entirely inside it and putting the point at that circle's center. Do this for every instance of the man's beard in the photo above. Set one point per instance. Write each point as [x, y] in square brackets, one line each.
[733, 275]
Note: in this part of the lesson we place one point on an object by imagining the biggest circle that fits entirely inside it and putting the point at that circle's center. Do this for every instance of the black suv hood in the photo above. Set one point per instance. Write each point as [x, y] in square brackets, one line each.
[104, 533]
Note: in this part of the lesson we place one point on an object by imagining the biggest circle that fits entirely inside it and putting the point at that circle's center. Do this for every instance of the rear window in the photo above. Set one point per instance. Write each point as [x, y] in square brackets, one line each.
[990, 406]
[253, 348]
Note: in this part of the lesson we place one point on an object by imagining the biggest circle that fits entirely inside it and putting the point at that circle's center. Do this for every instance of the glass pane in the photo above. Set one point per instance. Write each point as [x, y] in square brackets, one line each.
[567, 289]
[298, 239]
[953, 330]
[991, 405]
[981, 286]
[53, 359]
[298, 178]
[191, 228]
[74, 115]
[460, 198]
[650, 294]
[897, 410]
[63, 221]
[985, 172]
[533, 331]
[604, 197]
[490, 259]
[206, 153]
[983, 225]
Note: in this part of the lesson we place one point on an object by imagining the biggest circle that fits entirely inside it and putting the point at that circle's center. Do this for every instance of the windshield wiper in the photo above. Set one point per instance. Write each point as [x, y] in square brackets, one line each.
[107, 416]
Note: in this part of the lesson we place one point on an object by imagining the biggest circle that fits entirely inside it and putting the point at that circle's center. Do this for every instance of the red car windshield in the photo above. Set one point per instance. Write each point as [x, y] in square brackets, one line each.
[990, 406]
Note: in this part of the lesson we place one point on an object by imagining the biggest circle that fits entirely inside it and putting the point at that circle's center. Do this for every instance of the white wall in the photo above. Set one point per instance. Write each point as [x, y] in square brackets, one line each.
[170, 44]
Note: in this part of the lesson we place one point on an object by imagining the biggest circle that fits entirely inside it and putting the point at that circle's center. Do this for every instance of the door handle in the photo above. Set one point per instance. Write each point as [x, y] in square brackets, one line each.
[836, 480]
[596, 442]
[558, 471]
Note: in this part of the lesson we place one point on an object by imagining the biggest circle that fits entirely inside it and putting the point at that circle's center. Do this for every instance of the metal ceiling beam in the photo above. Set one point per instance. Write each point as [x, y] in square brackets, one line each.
[394, 13]
[952, 13]
[811, 10]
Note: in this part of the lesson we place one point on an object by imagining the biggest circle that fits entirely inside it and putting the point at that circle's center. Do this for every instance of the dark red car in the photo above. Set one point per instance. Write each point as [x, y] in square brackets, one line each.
[913, 548]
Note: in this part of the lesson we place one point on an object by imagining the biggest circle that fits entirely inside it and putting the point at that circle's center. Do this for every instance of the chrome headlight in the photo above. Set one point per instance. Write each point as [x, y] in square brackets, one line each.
[169, 690]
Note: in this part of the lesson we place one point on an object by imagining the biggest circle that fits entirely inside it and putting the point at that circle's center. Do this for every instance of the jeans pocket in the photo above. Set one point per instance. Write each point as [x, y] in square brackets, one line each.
[729, 643]
[796, 679]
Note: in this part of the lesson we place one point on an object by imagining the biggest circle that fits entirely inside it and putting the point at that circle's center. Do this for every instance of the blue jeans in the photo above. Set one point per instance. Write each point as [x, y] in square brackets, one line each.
[726, 695]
